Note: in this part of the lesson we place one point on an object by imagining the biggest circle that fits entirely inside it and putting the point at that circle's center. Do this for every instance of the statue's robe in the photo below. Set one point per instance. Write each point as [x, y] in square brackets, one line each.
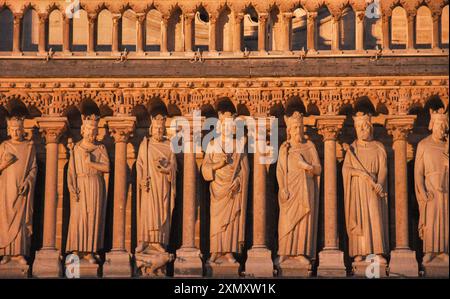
[155, 207]
[227, 210]
[297, 224]
[431, 175]
[366, 213]
[16, 211]
[87, 215]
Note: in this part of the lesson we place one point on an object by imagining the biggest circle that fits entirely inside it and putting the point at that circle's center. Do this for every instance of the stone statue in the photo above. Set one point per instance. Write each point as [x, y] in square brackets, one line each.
[156, 168]
[365, 199]
[228, 171]
[298, 175]
[18, 170]
[87, 180]
[431, 184]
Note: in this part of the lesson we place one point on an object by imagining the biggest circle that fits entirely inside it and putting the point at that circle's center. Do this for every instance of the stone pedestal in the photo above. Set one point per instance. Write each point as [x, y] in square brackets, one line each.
[259, 263]
[436, 268]
[152, 264]
[222, 268]
[331, 264]
[403, 263]
[15, 270]
[188, 263]
[117, 264]
[292, 267]
[47, 264]
[82, 270]
[365, 269]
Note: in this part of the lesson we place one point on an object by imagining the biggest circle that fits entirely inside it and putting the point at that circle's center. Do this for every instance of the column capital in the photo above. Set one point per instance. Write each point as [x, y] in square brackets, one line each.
[400, 126]
[239, 17]
[360, 15]
[17, 17]
[121, 128]
[52, 128]
[329, 126]
[43, 17]
[141, 17]
[312, 15]
[288, 15]
[263, 17]
[116, 18]
[92, 17]
[189, 16]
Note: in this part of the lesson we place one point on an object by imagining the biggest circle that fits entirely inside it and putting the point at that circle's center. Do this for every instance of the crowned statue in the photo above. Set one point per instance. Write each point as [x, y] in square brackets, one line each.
[18, 171]
[87, 181]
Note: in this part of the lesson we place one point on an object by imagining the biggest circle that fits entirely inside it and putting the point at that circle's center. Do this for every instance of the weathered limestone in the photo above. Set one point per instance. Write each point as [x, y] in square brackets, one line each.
[403, 260]
[47, 262]
[117, 262]
[331, 259]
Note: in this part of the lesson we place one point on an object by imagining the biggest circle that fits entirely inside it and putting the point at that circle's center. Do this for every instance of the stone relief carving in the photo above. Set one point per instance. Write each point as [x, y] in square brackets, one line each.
[156, 177]
[228, 172]
[431, 185]
[87, 180]
[298, 175]
[18, 171]
[365, 198]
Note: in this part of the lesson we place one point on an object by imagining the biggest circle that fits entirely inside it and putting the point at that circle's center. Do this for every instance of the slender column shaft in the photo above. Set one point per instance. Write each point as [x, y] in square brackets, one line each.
[164, 23]
[336, 34]
[330, 198]
[435, 40]
[120, 195]
[401, 194]
[189, 200]
[66, 34]
[359, 30]
[311, 28]
[212, 33]
[262, 32]
[237, 37]
[16, 32]
[189, 32]
[91, 33]
[51, 193]
[411, 19]
[140, 23]
[115, 34]
[259, 201]
[385, 30]
[42, 33]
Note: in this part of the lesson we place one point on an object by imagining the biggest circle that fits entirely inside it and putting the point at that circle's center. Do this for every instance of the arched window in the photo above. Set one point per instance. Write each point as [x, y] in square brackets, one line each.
[444, 27]
[251, 29]
[55, 30]
[324, 29]
[104, 31]
[6, 30]
[201, 30]
[373, 32]
[299, 32]
[30, 31]
[275, 30]
[80, 31]
[128, 31]
[153, 31]
[224, 34]
[399, 28]
[424, 28]
[175, 40]
[347, 29]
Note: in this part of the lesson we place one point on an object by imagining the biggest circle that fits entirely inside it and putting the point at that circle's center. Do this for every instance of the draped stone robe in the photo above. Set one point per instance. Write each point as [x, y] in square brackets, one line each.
[297, 225]
[155, 207]
[16, 211]
[366, 214]
[431, 175]
[227, 210]
[87, 216]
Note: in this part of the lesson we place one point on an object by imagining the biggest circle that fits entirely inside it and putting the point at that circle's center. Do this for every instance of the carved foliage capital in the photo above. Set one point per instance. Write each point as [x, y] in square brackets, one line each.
[121, 128]
[52, 129]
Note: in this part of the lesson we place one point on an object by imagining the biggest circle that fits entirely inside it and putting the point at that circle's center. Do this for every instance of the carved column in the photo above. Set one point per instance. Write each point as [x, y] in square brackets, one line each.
[411, 20]
[115, 33]
[359, 30]
[385, 31]
[435, 40]
[403, 260]
[212, 33]
[259, 257]
[48, 260]
[16, 33]
[43, 17]
[237, 37]
[336, 33]
[164, 24]
[189, 32]
[66, 34]
[331, 259]
[188, 262]
[287, 18]
[262, 31]
[92, 18]
[311, 28]
[140, 25]
[117, 263]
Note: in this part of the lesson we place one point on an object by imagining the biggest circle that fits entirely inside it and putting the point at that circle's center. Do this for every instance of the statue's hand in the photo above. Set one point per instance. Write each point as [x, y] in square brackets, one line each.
[24, 189]
[145, 184]
[284, 194]
[378, 189]
[430, 196]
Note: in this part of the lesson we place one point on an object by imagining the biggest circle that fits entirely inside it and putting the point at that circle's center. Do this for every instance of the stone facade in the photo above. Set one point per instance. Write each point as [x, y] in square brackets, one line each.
[120, 59]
